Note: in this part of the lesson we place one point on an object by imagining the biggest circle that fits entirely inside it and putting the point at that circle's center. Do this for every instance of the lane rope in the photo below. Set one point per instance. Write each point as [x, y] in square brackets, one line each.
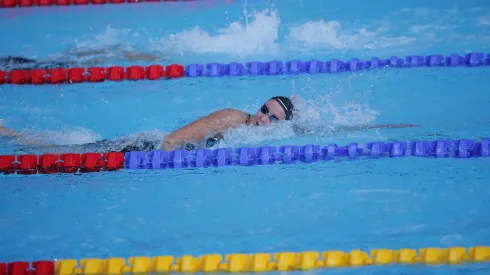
[254, 68]
[245, 156]
[46, 3]
[255, 262]
[267, 155]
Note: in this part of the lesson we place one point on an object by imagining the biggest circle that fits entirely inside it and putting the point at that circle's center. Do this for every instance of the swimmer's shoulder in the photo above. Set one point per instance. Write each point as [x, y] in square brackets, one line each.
[230, 116]
[228, 112]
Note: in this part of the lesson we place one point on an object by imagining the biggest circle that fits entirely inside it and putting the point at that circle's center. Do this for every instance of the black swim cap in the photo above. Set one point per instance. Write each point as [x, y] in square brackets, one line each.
[286, 104]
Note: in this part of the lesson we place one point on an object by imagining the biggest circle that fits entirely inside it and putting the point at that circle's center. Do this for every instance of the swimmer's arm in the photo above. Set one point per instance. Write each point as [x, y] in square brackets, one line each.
[139, 56]
[299, 130]
[380, 126]
[197, 130]
[4, 132]
[130, 56]
[88, 52]
[125, 55]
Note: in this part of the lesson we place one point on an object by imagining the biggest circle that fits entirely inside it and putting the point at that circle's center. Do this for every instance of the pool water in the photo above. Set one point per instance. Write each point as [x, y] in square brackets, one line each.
[343, 205]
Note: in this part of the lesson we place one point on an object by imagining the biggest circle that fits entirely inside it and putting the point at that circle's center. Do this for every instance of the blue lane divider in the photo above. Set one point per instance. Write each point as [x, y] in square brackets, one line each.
[463, 148]
[334, 65]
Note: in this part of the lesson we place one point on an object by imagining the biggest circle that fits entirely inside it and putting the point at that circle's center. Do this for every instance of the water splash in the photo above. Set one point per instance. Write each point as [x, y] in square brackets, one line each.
[66, 136]
[323, 112]
[259, 36]
[83, 140]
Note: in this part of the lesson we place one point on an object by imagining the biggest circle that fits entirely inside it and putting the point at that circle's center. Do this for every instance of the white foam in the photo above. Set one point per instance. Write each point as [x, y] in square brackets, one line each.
[254, 135]
[258, 36]
[262, 33]
[318, 35]
[110, 37]
[104, 46]
[319, 116]
[67, 136]
[321, 34]
[334, 104]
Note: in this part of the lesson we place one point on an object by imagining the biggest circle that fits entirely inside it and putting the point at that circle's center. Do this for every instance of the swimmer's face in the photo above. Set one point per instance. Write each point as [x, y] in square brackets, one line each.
[271, 110]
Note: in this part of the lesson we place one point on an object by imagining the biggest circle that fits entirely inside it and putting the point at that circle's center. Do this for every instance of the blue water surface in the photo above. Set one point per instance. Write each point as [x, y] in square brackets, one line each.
[342, 204]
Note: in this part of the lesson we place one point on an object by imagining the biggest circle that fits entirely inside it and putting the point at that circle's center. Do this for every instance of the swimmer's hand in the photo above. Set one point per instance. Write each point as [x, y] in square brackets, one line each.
[12, 134]
[7, 133]
[379, 126]
[405, 125]
[139, 56]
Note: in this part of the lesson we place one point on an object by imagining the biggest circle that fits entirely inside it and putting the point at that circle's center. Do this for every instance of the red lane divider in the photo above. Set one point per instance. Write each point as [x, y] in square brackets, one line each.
[92, 74]
[30, 3]
[24, 268]
[64, 163]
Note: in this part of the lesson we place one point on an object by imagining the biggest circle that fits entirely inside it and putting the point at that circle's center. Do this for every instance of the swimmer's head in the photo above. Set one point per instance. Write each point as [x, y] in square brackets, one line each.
[276, 108]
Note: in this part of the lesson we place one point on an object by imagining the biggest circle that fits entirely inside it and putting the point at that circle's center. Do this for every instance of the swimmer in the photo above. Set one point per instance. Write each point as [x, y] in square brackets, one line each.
[74, 58]
[209, 130]
[212, 128]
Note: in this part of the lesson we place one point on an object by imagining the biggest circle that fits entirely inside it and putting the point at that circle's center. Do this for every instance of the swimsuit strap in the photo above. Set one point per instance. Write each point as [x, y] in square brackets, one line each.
[247, 120]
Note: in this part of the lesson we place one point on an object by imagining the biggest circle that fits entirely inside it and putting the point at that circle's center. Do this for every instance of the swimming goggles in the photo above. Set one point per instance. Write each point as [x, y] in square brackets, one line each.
[265, 110]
